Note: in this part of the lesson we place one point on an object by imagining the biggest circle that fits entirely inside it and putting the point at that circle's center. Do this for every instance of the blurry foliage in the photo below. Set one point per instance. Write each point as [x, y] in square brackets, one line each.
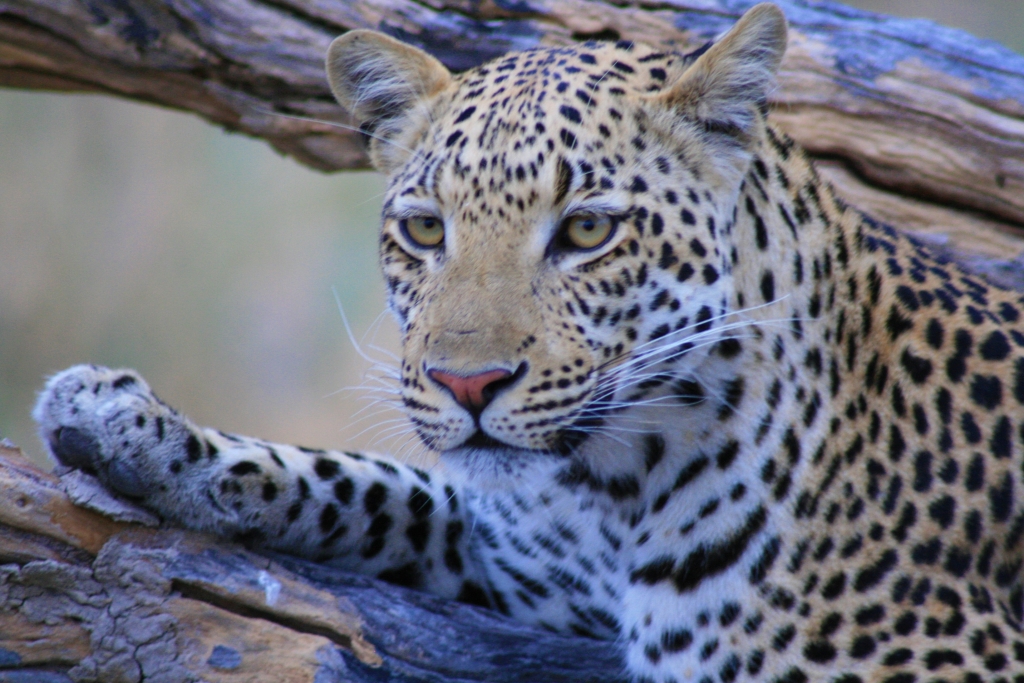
[136, 236]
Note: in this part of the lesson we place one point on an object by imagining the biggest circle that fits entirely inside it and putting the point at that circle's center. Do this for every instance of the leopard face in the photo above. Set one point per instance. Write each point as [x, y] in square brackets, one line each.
[553, 230]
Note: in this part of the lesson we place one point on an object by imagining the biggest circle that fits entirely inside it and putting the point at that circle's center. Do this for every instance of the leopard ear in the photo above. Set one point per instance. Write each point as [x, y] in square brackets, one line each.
[387, 85]
[726, 87]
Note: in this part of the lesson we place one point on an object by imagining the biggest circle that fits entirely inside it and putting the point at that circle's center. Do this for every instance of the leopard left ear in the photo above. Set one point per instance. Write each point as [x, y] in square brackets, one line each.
[724, 90]
[388, 86]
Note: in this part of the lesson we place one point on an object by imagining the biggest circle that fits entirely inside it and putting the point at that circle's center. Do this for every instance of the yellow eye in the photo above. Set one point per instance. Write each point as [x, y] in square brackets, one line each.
[423, 231]
[587, 231]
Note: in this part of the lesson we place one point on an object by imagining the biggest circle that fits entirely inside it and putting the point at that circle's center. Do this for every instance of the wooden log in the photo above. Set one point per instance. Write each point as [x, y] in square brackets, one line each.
[129, 603]
[900, 108]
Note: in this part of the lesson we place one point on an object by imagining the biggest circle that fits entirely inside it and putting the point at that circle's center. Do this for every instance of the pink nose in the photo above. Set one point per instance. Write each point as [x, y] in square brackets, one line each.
[470, 392]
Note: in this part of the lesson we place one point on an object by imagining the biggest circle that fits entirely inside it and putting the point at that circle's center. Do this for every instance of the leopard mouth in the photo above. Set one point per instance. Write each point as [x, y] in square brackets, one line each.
[565, 442]
[484, 441]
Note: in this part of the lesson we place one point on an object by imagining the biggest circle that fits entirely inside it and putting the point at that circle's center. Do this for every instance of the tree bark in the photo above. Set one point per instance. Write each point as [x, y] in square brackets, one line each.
[919, 125]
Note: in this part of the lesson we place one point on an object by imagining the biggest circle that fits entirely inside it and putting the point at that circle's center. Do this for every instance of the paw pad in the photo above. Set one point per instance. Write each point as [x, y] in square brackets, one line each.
[75, 448]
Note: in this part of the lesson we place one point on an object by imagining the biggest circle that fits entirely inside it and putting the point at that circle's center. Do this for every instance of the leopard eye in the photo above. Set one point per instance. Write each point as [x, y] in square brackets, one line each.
[423, 231]
[587, 231]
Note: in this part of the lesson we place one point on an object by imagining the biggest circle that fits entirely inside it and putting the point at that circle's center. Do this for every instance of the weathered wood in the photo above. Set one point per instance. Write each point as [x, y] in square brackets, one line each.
[905, 107]
[128, 602]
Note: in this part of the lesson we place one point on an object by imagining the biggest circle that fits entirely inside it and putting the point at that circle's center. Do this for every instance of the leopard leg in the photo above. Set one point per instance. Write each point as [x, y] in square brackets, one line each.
[360, 512]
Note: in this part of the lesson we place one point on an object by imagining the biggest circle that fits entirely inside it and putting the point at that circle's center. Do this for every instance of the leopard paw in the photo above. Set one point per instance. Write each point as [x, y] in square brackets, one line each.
[107, 423]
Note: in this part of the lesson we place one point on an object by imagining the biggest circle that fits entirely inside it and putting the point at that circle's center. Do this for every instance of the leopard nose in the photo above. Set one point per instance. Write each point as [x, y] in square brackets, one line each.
[474, 392]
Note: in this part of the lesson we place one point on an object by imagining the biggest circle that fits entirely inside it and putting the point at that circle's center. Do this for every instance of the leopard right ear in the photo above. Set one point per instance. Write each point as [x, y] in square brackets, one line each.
[388, 86]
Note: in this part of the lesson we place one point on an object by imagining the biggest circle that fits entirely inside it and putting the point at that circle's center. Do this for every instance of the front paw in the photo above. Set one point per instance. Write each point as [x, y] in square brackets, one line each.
[107, 423]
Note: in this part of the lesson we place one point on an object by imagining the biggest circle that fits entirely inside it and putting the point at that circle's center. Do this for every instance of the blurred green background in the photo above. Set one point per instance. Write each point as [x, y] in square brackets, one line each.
[142, 237]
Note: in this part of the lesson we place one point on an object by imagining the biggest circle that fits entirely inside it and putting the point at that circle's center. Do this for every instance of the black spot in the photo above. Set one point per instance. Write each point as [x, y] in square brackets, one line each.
[834, 587]
[727, 454]
[194, 452]
[690, 472]
[1001, 499]
[734, 390]
[820, 651]
[768, 286]
[970, 428]
[570, 113]
[919, 369]
[408, 575]
[869, 576]
[759, 570]
[942, 510]
[872, 614]
[564, 180]
[465, 114]
[927, 553]
[375, 497]
[418, 534]
[923, 471]
[380, 525]
[905, 624]
[626, 486]
[1002, 438]
[653, 572]
[328, 518]
[987, 391]
[453, 561]
[995, 347]
[326, 469]
[897, 323]
[343, 491]
[420, 503]
[783, 637]
[654, 450]
[863, 646]
[935, 659]
[269, 491]
[934, 333]
[244, 467]
[472, 594]
[975, 479]
[372, 548]
[712, 560]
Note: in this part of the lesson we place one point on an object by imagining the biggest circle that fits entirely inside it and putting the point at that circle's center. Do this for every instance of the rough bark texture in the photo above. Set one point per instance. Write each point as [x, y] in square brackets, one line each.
[921, 125]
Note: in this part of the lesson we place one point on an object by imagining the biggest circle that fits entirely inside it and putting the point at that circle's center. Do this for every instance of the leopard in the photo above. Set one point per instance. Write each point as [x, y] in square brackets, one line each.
[684, 397]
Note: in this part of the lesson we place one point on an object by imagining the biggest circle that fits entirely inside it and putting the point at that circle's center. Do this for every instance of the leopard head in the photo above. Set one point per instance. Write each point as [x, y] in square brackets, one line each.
[553, 224]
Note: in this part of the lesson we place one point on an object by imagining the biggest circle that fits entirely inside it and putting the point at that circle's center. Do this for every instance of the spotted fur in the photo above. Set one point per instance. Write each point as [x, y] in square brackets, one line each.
[753, 435]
